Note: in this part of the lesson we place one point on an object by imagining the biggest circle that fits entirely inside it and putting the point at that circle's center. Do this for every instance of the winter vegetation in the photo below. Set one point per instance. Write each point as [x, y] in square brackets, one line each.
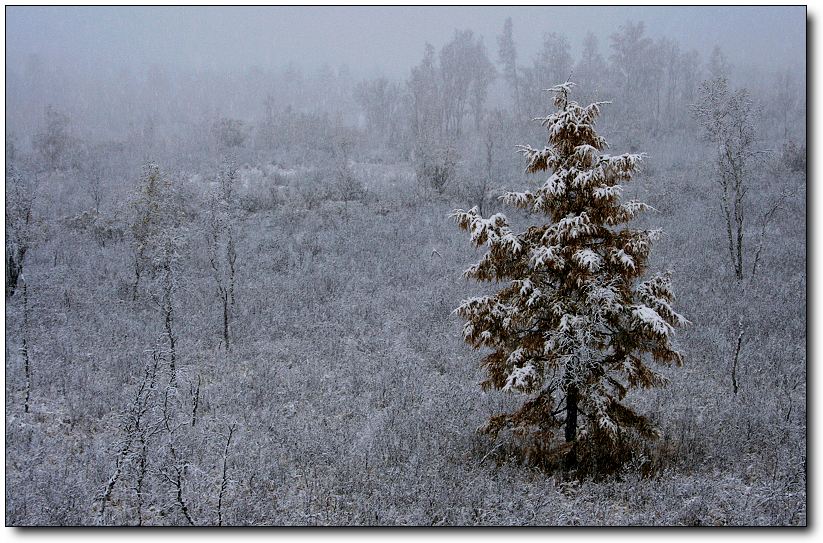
[240, 298]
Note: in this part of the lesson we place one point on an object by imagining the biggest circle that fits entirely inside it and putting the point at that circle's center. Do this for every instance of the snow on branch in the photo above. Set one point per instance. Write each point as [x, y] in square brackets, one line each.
[588, 259]
[650, 320]
[570, 228]
[539, 160]
[492, 231]
[547, 256]
[521, 378]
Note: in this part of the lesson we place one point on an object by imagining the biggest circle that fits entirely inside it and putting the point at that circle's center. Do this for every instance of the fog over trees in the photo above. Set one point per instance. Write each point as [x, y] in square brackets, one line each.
[236, 293]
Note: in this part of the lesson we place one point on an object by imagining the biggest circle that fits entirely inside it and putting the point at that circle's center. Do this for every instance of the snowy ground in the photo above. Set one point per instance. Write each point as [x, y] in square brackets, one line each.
[356, 401]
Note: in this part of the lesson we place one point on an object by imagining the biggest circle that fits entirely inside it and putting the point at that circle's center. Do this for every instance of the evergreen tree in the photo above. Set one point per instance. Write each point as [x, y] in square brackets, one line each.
[575, 326]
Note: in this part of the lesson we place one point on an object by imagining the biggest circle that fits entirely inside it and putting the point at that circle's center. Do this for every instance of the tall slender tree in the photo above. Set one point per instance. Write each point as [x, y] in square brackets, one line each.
[552, 63]
[507, 57]
[728, 121]
[221, 243]
[156, 210]
[575, 327]
[591, 66]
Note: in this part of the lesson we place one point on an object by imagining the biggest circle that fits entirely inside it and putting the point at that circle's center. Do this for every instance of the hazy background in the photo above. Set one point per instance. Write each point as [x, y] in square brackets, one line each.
[369, 39]
[116, 71]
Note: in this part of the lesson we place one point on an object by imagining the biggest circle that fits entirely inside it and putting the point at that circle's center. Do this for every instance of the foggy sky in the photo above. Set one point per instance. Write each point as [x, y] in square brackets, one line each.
[372, 40]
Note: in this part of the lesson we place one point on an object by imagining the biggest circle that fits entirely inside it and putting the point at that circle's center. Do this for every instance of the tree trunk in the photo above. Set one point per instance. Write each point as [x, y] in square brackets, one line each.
[14, 268]
[224, 480]
[225, 297]
[172, 354]
[136, 284]
[141, 476]
[738, 219]
[168, 320]
[571, 414]
[571, 426]
[735, 384]
[25, 349]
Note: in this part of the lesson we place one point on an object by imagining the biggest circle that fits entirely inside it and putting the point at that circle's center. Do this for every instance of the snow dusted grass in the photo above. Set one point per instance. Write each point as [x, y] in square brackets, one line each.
[355, 398]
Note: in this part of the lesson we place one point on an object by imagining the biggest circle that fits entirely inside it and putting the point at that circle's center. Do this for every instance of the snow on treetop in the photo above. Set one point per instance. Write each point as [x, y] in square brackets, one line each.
[622, 165]
[588, 177]
[585, 153]
[563, 87]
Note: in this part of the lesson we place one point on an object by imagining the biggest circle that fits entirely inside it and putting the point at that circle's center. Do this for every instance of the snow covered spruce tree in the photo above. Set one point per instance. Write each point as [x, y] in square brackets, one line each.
[575, 326]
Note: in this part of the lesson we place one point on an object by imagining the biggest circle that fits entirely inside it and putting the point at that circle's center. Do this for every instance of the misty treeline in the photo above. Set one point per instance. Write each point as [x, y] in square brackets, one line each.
[229, 296]
[441, 114]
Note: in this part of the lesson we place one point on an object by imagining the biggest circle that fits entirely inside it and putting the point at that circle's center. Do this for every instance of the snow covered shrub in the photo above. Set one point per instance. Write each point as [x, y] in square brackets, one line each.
[312, 189]
[435, 168]
[101, 229]
[575, 325]
[347, 185]
[263, 189]
[229, 133]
